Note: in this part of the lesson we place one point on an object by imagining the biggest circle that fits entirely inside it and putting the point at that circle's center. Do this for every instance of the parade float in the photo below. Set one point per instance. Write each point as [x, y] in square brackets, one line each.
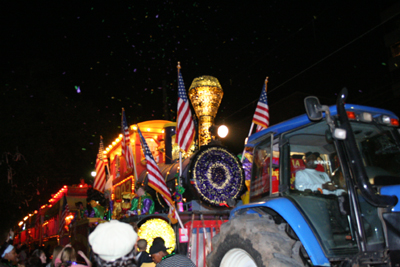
[43, 227]
[203, 183]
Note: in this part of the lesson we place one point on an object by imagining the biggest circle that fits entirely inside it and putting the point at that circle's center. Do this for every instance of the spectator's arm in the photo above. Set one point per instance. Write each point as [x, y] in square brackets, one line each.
[88, 262]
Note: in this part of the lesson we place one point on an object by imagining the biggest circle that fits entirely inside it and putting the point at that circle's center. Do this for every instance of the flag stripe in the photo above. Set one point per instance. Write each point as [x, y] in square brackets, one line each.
[261, 115]
[100, 179]
[154, 176]
[126, 149]
[185, 123]
[185, 127]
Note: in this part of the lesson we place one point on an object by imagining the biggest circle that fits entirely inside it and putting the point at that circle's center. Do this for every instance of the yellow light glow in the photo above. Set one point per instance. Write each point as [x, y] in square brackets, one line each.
[223, 131]
[162, 131]
[21, 223]
[104, 152]
[107, 149]
[123, 181]
[117, 140]
[120, 135]
[113, 143]
[134, 127]
[110, 146]
[153, 228]
[148, 129]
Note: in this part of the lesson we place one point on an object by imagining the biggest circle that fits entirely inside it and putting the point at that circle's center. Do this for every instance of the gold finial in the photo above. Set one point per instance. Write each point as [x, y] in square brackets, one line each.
[179, 65]
[206, 94]
[266, 83]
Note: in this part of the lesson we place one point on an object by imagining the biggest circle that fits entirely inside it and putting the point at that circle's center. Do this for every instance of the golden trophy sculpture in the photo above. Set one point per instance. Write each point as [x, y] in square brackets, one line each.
[205, 93]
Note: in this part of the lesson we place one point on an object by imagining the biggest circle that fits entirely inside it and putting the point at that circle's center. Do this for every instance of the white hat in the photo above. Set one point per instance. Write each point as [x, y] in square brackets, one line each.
[112, 240]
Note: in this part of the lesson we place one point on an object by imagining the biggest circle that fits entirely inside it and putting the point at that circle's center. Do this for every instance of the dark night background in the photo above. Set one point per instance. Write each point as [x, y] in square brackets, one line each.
[124, 54]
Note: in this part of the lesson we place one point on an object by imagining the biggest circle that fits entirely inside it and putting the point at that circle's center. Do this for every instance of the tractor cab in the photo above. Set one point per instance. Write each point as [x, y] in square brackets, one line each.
[355, 153]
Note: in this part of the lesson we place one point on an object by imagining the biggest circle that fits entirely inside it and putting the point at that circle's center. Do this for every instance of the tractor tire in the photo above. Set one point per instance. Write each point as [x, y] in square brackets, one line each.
[250, 240]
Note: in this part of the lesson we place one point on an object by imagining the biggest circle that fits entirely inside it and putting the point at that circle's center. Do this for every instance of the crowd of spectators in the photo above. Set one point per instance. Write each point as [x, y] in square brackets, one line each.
[113, 244]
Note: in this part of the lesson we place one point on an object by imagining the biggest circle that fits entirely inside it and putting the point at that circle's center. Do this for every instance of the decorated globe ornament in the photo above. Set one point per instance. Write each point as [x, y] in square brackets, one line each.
[157, 227]
[217, 175]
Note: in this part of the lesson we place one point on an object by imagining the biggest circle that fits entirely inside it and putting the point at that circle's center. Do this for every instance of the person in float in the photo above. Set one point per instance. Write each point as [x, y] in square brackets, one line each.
[80, 211]
[314, 180]
[99, 210]
[142, 203]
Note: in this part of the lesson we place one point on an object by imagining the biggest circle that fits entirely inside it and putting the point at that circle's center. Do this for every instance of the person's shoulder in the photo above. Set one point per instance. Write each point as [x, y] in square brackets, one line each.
[179, 260]
[145, 257]
[301, 172]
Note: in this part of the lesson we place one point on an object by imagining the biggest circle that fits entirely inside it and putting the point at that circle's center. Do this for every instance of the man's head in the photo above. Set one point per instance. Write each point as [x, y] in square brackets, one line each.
[159, 240]
[94, 203]
[9, 253]
[157, 252]
[142, 244]
[113, 241]
[311, 160]
[140, 191]
[79, 205]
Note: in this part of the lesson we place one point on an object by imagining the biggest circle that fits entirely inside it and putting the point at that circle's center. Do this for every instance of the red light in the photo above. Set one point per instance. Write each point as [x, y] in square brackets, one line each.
[394, 122]
[80, 185]
[35, 212]
[351, 115]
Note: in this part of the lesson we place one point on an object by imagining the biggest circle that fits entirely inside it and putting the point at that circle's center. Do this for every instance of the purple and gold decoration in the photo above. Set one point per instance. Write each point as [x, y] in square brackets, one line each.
[217, 175]
[205, 93]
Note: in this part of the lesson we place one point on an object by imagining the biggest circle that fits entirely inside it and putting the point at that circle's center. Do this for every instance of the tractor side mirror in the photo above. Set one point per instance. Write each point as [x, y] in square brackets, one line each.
[313, 108]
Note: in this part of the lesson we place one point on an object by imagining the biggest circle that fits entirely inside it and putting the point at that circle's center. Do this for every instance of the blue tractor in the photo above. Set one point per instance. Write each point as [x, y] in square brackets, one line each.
[350, 219]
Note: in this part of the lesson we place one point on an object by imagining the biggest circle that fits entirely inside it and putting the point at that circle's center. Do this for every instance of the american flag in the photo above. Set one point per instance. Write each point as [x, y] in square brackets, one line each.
[100, 179]
[185, 126]
[155, 179]
[64, 214]
[261, 116]
[126, 143]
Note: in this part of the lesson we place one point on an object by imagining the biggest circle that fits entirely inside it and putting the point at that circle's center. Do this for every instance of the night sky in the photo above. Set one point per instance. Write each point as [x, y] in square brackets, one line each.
[68, 68]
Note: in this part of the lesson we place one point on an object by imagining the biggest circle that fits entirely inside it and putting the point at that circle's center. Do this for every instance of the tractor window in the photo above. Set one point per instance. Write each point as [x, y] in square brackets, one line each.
[380, 151]
[262, 170]
[317, 186]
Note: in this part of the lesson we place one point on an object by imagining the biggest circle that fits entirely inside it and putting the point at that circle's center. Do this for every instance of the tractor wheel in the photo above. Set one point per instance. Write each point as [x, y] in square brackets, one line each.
[250, 240]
